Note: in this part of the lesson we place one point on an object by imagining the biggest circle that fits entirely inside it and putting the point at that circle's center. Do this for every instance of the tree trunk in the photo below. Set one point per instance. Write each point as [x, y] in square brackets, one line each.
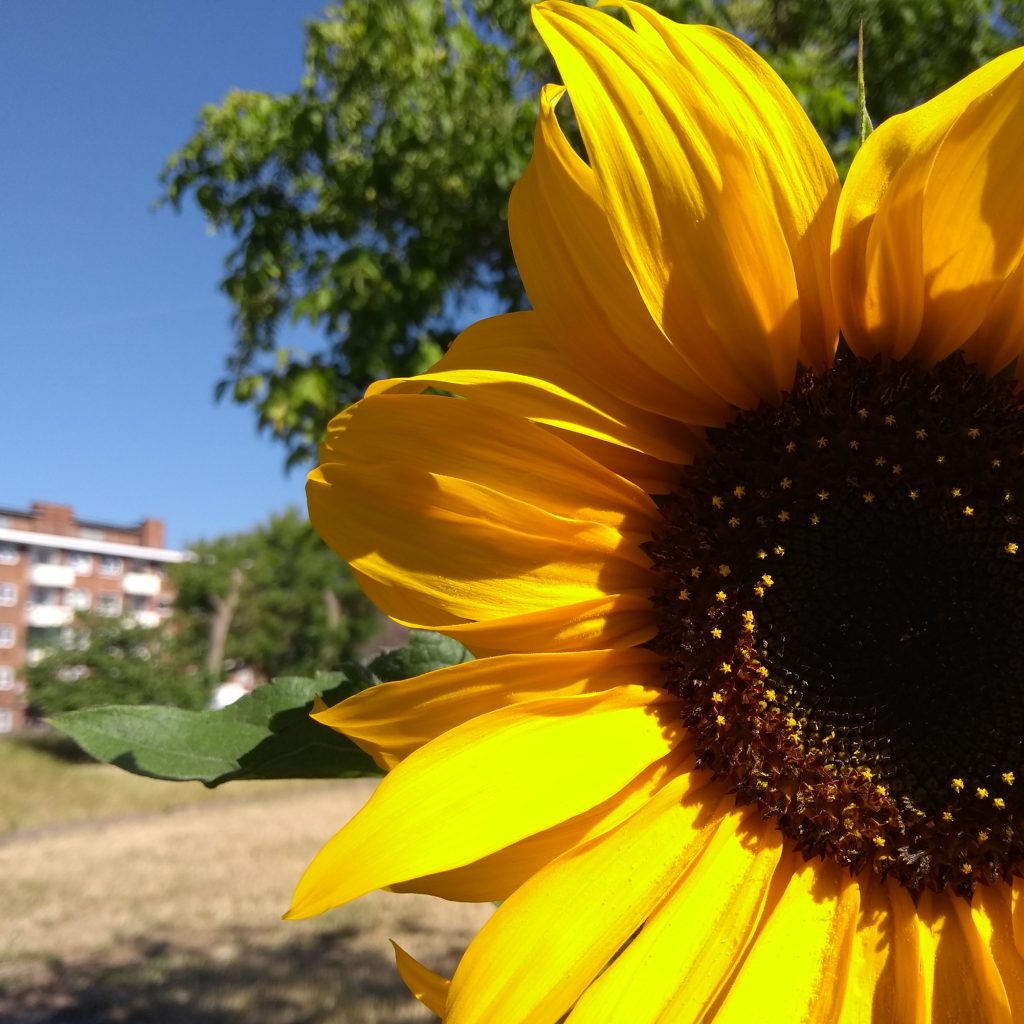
[224, 609]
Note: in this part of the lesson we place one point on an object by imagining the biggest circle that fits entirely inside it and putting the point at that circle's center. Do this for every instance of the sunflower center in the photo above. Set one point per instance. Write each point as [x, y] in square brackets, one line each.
[841, 578]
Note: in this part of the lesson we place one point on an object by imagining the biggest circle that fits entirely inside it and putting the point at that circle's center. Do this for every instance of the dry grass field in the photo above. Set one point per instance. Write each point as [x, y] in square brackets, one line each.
[128, 900]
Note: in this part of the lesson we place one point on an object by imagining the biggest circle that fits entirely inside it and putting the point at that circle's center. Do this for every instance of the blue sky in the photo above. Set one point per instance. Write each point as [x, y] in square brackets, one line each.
[113, 332]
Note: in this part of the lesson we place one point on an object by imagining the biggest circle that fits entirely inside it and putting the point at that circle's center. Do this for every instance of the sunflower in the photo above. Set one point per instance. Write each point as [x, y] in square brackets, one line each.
[731, 519]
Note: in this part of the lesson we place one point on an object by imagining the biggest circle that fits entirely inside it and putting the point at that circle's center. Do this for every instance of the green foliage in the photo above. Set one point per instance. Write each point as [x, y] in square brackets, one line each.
[268, 734]
[424, 652]
[275, 600]
[370, 203]
[296, 608]
[110, 661]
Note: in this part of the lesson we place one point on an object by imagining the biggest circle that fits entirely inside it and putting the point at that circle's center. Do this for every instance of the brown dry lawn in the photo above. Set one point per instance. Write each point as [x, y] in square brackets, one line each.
[169, 910]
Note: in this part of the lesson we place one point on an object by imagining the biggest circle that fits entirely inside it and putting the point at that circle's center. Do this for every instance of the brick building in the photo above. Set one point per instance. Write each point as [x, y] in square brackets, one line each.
[53, 564]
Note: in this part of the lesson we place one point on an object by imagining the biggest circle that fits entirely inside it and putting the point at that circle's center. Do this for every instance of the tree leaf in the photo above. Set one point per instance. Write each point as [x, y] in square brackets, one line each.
[268, 734]
[425, 652]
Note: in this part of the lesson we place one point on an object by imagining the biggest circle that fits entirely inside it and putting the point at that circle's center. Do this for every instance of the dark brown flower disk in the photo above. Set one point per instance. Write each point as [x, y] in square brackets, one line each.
[841, 611]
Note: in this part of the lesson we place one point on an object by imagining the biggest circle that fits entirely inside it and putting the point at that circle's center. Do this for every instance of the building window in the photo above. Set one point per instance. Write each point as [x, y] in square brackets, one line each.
[90, 533]
[80, 562]
[108, 603]
[80, 600]
[6, 677]
[8, 595]
[110, 565]
[6, 636]
[6, 720]
[8, 553]
[43, 595]
[42, 556]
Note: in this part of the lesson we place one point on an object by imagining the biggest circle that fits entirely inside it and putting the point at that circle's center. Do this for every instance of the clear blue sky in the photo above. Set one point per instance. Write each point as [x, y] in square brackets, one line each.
[112, 330]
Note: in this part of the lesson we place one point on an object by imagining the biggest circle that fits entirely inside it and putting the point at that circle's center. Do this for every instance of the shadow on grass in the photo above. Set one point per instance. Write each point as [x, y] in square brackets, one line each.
[45, 740]
[320, 978]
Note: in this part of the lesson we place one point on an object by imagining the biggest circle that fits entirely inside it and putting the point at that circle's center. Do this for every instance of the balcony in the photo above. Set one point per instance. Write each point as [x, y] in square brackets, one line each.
[142, 584]
[48, 615]
[147, 619]
[46, 574]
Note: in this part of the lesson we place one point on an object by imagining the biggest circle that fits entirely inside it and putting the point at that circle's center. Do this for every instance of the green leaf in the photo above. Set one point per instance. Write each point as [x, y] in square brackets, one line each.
[268, 734]
[424, 652]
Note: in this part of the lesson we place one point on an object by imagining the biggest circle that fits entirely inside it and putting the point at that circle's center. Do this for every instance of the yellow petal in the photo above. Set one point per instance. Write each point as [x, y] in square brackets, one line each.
[553, 936]
[582, 291]
[1017, 913]
[999, 339]
[498, 875]
[799, 963]
[878, 987]
[953, 989]
[429, 988]
[912, 958]
[509, 362]
[688, 949]
[687, 201]
[784, 147]
[931, 219]
[619, 621]
[988, 929]
[502, 519]
[392, 720]
[487, 784]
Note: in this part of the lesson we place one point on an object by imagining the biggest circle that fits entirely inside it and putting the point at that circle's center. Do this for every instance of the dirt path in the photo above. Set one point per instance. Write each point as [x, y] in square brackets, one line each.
[175, 918]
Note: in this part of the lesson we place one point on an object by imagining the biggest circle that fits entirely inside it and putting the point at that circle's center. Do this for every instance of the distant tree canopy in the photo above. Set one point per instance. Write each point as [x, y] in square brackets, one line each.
[275, 600]
[370, 203]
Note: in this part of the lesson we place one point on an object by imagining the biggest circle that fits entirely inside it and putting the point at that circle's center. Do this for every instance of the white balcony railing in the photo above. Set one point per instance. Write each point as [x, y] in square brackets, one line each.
[44, 574]
[143, 584]
[48, 615]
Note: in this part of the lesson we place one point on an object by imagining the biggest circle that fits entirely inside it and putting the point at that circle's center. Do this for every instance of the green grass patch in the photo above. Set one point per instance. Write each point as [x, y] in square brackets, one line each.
[45, 780]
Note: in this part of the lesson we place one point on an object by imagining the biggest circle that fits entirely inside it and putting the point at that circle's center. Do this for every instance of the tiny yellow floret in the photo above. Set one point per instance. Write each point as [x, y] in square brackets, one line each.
[1009, 778]
[957, 785]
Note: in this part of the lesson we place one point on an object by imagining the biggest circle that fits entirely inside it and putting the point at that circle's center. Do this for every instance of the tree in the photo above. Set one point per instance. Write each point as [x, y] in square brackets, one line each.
[371, 202]
[113, 661]
[275, 599]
